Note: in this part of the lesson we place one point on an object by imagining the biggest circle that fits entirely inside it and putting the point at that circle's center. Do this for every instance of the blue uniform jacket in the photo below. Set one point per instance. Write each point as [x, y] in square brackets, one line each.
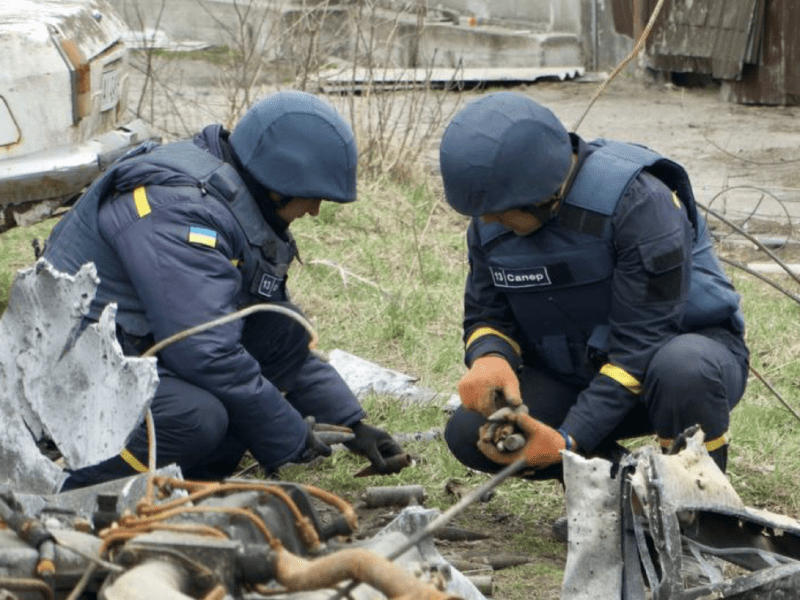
[592, 295]
[178, 240]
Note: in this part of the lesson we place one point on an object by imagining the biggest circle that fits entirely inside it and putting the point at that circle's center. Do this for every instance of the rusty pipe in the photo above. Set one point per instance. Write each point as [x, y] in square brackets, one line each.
[400, 495]
[357, 564]
[27, 585]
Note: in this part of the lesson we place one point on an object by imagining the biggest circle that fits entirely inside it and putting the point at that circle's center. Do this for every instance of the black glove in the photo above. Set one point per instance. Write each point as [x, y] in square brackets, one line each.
[314, 445]
[373, 443]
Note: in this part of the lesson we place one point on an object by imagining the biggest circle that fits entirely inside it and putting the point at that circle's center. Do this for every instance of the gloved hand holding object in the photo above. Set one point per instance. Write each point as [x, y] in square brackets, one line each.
[373, 443]
[542, 446]
[489, 385]
[319, 438]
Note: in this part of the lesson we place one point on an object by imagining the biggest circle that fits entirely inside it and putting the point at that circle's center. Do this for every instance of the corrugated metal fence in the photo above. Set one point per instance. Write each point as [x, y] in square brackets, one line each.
[752, 46]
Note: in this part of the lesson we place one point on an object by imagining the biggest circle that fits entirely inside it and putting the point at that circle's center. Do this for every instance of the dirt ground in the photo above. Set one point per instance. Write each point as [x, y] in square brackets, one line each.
[744, 162]
[476, 543]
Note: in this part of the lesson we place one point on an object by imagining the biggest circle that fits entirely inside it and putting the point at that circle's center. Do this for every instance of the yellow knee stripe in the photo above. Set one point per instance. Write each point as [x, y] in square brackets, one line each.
[711, 445]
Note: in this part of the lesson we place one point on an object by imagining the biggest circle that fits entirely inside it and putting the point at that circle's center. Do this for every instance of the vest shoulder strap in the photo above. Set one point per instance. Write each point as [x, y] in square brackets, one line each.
[606, 174]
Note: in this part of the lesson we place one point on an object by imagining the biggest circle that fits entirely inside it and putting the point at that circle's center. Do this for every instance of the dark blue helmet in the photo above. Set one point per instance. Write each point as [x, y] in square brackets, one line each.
[297, 145]
[503, 151]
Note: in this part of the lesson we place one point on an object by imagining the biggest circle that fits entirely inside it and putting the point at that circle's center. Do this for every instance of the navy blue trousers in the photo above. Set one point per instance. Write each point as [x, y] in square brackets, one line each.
[192, 426]
[692, 380]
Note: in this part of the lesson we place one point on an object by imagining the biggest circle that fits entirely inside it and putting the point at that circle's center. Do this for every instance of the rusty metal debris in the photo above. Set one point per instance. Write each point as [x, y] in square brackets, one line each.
[505, 435]
[158, 535]
[399, 495]
[457, 534]
[459, 489]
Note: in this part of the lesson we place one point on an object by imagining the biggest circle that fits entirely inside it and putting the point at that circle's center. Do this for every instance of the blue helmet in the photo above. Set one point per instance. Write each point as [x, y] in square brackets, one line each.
[297, 145]
[503, 151]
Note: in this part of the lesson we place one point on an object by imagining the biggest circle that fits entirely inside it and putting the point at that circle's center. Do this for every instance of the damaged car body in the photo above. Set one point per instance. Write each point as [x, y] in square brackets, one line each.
[63, 103]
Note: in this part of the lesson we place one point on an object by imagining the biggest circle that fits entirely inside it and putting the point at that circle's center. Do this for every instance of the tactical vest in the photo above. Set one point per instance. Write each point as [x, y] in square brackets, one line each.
[558, 281]
[76, 239]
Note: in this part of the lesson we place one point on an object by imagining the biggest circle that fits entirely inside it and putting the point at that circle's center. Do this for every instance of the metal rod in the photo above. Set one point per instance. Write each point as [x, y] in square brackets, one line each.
[775, 393]
[760, 246]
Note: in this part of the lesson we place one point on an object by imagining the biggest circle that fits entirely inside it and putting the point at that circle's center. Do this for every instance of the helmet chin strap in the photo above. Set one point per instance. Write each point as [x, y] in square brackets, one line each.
[548, 209]
[545, 211]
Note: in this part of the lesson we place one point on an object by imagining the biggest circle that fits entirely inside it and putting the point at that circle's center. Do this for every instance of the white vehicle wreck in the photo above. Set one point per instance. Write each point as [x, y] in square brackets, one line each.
[63, 103]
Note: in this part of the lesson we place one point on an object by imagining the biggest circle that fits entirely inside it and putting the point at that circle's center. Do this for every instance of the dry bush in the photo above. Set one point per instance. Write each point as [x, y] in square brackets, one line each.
[383, 88]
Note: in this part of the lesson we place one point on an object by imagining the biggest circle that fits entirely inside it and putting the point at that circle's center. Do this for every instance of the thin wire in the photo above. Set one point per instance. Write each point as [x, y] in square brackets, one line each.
[742, 267]
[156, 348]
[775, 393]
[761, 246]
[636, 49]
[181, 335]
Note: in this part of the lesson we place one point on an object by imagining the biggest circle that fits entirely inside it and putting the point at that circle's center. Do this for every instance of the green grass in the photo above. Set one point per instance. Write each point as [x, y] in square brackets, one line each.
[215, 55]
[16, 252]
[383, 278]
[765, 434]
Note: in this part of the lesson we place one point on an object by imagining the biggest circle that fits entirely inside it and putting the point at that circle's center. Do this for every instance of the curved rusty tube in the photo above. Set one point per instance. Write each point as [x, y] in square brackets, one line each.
[197, 492]
[344, 507]
[27, 585]
[357, 564]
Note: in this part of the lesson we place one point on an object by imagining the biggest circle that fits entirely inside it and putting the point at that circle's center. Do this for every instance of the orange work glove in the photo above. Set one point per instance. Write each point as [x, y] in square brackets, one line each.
[489, 376]
[542, 446]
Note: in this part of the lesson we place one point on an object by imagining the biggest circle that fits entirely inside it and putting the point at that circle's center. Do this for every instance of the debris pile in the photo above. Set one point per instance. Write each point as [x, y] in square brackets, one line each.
[671, 526]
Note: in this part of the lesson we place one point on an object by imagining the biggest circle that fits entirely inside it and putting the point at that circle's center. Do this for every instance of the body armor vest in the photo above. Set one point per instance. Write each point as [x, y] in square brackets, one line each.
[76, 239]
[558, 280]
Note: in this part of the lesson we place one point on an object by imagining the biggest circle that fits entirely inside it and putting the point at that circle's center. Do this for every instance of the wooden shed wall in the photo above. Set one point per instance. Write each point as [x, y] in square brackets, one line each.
[752, 46]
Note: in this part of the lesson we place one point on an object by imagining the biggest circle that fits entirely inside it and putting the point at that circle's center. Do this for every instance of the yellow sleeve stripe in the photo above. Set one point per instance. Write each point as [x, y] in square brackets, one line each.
[484, 331]
[622, 377]
[132, 461]
[140, 199]
[711, 445]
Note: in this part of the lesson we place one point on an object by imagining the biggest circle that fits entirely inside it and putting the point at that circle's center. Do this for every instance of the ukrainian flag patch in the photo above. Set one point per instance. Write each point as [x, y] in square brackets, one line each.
[203, 236]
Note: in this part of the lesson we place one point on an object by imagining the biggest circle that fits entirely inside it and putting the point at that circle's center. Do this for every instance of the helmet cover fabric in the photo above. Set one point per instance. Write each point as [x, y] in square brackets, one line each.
[503, 151]
[297, 145]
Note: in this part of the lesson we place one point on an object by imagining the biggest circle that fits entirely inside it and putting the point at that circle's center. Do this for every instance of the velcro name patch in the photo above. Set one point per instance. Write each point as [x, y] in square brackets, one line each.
[520, 278]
